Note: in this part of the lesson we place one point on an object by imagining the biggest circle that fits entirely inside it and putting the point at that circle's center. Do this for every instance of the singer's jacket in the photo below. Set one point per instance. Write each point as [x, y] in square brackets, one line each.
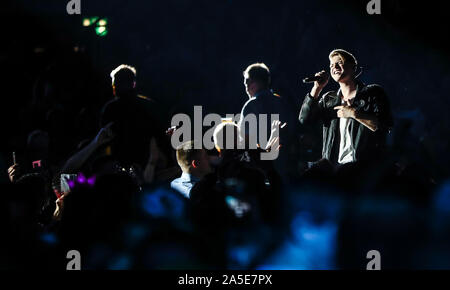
[370, 99]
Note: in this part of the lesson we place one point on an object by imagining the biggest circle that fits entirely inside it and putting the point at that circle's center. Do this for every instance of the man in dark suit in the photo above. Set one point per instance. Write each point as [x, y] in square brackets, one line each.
[264, 103]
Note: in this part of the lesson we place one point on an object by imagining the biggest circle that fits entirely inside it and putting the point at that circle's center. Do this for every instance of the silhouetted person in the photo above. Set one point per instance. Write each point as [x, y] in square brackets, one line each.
[264, 102]
[132, 120]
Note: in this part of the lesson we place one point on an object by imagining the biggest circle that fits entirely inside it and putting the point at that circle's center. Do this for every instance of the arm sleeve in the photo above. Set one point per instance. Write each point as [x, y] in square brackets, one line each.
[311, 109]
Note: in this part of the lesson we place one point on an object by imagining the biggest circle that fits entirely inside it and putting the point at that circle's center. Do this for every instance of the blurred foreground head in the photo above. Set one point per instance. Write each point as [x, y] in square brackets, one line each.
[96, 213]
[193, 161]
[226, 136]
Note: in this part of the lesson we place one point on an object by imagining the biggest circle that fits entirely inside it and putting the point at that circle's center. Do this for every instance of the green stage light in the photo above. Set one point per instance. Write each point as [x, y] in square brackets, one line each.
[86, 22]
[102, 22]
[101, 31]
[89, 21]
[94, 19]
[98, 23]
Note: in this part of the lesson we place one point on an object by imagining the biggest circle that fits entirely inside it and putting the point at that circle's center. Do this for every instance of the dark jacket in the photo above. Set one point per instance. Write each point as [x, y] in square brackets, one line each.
[268, 103]
[370, 99]
[134, 126]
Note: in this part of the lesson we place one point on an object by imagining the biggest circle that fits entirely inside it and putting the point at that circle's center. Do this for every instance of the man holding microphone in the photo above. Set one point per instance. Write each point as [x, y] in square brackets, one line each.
[356, 118]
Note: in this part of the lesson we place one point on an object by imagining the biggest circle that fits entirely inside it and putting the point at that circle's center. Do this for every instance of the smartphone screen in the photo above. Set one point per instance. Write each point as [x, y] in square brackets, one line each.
[66, 179]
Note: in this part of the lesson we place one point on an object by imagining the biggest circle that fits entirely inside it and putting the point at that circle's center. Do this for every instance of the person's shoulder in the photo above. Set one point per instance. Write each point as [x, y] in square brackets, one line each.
[146, 106]
[110, 107]
[140, 102]
[277, 95]
[374, 92]
[175, 182]
[111, 103]
[252, 100]
[248, 104]
[329, 96]
[373, 88]
[177, 185]
[277, 98]
[144, 99]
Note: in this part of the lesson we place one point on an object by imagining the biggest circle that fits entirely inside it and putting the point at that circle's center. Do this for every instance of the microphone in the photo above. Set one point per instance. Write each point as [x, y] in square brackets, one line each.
[316, 78]
[311, 79]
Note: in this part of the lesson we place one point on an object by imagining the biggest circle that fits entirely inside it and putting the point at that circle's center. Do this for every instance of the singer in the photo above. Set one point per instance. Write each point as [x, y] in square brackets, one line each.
[356, 118]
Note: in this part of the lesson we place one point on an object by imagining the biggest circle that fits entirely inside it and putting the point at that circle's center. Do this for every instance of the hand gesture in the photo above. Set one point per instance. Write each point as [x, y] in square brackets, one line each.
[274, 140]
[171, 130]
[323, 80]
[105, 135]
[320, 84]
[345, 112]
[57, 214]
[13, 172]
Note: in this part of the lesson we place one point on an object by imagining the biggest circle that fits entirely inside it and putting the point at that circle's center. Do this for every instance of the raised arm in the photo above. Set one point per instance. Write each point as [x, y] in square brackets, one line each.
[75, 162]
[312, 105]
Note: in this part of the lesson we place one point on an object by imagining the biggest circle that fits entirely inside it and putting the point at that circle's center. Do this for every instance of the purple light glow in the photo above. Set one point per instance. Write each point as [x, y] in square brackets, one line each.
[91, 180]
[81, 178]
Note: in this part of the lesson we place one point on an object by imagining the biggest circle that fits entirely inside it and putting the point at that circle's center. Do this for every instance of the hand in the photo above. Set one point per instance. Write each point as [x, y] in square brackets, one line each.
[57, 214]
[320, 84]
[274, 141]
[13, 172]
[275, 127]
[171, 130]
[105, 135]
[345, 112]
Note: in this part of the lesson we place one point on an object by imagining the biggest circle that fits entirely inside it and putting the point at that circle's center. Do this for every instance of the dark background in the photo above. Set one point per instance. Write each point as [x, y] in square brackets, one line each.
[55, 77]
[193, 53]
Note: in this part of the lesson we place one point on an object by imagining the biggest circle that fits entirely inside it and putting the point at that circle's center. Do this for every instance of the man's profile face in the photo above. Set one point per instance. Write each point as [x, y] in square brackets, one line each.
[249, 87]
[340, 70]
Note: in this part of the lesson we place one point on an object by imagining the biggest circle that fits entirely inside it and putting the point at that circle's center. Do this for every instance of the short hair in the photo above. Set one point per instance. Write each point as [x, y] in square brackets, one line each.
[186, 153]
[123, 75]
[224, 129]
[258, 72]
[347, 56]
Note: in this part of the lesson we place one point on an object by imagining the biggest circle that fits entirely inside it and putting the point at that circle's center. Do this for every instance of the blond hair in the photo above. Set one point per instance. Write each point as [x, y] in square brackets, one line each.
[345, 55]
